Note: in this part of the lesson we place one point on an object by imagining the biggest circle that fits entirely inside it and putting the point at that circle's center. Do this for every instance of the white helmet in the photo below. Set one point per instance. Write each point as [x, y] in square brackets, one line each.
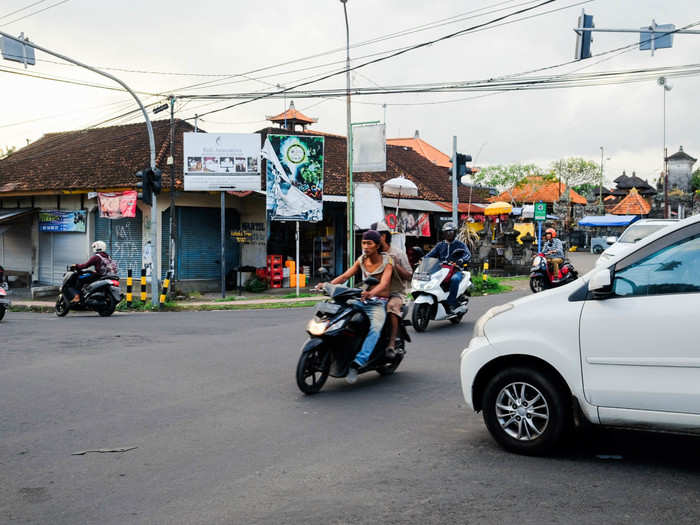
[99, 246]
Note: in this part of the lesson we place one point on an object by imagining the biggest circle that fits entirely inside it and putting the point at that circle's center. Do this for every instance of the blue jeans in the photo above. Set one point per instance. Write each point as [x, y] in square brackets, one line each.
[454, 288]
[376, 312]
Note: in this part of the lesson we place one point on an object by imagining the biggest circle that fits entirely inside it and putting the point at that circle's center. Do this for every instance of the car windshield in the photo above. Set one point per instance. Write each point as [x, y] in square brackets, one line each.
[429, 265]
[638, 231]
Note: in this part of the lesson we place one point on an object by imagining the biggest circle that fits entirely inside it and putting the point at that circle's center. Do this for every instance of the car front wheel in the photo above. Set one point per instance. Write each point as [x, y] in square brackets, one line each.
[525, 411]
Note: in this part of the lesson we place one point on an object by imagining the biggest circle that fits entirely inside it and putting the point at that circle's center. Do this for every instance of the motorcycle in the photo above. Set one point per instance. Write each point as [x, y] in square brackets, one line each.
[336, 333]
[542, 276]
[101, 296]
[4, 300]
[430, 288]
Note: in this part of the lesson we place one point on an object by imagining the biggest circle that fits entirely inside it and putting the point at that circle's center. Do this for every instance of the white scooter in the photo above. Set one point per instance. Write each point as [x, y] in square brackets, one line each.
[430, 288]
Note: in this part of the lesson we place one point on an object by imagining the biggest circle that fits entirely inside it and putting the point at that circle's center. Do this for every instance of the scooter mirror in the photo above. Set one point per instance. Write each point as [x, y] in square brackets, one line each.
[457, 254]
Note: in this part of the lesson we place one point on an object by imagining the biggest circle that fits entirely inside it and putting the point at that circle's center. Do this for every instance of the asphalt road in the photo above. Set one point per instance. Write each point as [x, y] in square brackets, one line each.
[224, 436]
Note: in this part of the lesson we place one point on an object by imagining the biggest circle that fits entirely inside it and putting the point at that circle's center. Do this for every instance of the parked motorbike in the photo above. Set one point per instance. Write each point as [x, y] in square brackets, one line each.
[430, 288]
[101, 296]
[336, 333]
[4, 300]
[542, 276]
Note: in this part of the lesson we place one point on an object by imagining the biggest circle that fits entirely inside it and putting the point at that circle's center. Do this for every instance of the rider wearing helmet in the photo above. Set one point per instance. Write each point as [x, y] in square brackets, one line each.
[443, 250]
[103, 263]
[553, 250]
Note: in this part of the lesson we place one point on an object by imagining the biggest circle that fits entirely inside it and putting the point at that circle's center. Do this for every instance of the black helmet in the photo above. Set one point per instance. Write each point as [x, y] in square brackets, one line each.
[449, 227]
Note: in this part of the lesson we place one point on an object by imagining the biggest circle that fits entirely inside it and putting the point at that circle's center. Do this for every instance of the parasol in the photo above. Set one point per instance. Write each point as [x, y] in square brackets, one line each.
[498, 208]
[400, 186]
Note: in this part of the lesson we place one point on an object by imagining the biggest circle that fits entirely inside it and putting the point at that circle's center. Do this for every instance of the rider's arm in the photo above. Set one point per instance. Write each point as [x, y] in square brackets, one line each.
[382, 289]
[403, 272]
[435, 252]
[347, 274]
[90, 262]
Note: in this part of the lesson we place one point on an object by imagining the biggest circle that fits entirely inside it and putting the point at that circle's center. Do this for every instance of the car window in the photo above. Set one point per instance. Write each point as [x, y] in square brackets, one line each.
[673, 269]
[638, 231]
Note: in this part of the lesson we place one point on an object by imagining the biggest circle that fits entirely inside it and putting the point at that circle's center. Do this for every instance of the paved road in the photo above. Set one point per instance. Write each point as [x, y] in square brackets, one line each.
[224, 436]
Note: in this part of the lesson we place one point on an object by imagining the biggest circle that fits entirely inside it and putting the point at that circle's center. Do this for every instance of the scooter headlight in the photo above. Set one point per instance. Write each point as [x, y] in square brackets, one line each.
[317, 327]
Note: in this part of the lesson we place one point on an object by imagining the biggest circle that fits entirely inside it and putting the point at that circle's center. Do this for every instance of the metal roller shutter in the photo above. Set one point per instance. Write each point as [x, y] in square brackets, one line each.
[57, 251]
[16, 240]
[124, 241]
[199, 241]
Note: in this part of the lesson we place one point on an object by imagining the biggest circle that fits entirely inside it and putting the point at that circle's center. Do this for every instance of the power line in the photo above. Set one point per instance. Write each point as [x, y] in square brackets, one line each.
[21, 9]
[34, 13]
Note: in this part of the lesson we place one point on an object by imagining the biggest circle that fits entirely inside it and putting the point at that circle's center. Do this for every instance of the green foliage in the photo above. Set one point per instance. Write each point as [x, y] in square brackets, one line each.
[138, 306]
[507, 176]
[587, 190]
[576, 171]
[255, 285]
[695, 180]
[490, 286]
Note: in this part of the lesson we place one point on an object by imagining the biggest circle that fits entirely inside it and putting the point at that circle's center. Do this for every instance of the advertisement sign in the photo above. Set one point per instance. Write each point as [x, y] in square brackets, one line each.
[411, 223]
[369, 148]
[118, 204]
[294, 177]
[62, 221]
[222, 162]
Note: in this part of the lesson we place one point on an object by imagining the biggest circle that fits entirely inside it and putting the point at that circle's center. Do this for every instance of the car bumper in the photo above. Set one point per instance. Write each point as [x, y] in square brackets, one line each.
[474, 357]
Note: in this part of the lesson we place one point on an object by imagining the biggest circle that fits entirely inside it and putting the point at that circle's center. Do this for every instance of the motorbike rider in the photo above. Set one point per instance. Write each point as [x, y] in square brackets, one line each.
[400, 278]
[553, 250]
[443, 250]
[103, 264]
[375, 264]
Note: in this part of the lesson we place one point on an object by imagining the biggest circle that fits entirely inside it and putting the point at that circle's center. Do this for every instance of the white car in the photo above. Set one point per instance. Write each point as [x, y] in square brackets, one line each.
[617, 347]
[632, 234]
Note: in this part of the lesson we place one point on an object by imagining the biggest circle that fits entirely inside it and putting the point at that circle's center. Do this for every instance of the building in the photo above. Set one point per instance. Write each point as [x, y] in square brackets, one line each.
[680, 170]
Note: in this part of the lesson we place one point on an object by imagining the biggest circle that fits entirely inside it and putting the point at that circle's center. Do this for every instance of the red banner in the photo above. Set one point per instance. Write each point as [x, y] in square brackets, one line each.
[117, 205]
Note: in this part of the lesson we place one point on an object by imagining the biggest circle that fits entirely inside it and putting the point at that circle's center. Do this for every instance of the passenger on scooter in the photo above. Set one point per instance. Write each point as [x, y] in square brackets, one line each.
[103, 263]
[370, 263]
[443, 250]
[553, 250]
[401, 276]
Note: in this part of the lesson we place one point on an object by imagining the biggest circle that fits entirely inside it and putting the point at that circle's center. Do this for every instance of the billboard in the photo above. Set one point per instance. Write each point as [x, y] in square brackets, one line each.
[222, 161]
[369, 148]
[294, 177]
[118, 204]
[62, 221]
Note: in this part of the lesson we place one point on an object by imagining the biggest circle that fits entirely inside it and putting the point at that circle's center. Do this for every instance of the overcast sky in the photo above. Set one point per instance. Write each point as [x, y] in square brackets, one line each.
[231, 37]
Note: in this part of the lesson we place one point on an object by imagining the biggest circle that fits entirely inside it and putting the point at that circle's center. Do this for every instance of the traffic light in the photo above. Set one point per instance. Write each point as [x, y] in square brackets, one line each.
[150, 184]
[462, 168]
[584, 38]
[144, 186]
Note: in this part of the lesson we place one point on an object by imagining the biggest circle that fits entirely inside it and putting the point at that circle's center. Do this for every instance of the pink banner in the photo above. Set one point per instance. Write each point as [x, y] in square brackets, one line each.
[117, 205]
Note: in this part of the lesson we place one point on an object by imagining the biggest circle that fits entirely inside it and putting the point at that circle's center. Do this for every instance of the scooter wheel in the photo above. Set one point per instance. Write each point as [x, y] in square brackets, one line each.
[420, 317]
[312, 370]
[61, 307]
[457, 319]
[537, 285]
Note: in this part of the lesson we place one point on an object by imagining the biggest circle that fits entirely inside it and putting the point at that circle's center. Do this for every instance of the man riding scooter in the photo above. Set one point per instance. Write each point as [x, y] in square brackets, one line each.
[443, 250]
[553, 250]
[370, 264]
[103, 264]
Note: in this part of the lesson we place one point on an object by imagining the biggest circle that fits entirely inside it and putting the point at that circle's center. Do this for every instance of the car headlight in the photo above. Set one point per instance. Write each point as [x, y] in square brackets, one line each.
[316, 327]
[490, 314]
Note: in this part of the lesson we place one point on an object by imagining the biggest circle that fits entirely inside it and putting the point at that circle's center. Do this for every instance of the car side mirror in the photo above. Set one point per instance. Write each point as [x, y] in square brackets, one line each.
[610, 240]
[601, 282]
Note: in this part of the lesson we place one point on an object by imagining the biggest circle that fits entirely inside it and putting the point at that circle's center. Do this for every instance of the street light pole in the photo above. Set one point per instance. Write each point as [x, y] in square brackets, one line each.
[666, 87]
[348, 178]
[600, 190]
[155, 276]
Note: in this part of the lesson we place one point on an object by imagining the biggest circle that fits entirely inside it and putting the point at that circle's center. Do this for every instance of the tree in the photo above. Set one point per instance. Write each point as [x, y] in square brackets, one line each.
[576, 171]
[695, 180]
[507, 177]
[7, 151]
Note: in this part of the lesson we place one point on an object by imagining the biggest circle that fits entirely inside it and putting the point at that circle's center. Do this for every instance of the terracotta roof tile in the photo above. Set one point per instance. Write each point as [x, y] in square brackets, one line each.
[536, 189]
[633, 204]
[428, 151]
[292, 114]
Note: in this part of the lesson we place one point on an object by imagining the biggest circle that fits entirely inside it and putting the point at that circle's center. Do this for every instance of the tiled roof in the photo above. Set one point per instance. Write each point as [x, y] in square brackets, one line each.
[292, 115]
[428, 151]
[91, 159]
[681, 155]
[536, 189]
[633, 204]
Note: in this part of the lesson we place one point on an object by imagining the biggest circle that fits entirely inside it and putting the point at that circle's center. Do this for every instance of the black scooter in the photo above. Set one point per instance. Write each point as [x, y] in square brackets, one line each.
[101, 296]
[336, 332]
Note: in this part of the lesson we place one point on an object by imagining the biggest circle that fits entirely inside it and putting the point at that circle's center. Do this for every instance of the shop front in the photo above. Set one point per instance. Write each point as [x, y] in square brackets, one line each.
[16, 242]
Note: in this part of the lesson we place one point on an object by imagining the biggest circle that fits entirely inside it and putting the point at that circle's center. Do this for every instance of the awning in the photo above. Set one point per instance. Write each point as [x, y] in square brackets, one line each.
[390, 202]
[15, 213]
[608, 220]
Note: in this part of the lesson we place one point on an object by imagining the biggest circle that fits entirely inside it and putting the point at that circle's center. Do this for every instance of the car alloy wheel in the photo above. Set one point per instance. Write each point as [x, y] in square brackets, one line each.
[522, 411]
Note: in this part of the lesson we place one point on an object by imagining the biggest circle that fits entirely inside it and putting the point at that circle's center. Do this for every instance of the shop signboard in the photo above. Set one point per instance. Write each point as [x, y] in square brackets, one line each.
[222, 161]
[411, 223]
[540, 211]
[117, 204]
[369, 148]
[294, 177]
[62, 221]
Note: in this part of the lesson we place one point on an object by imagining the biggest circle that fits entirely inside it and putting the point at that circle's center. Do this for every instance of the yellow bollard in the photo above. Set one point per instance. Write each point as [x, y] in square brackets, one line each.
[484, 275]
[143, 285]
[129, 286]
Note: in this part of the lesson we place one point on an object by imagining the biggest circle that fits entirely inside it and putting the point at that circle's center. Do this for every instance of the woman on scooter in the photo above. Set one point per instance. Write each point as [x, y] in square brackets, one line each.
[370, 264]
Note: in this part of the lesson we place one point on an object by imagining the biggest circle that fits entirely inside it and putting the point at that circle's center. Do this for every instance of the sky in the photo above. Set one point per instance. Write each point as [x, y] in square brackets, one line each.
[183, 43]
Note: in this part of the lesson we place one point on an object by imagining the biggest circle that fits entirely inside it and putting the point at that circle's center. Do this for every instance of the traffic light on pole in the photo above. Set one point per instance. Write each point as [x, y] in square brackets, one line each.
[144, 186]
[156, 179]
[462, 168]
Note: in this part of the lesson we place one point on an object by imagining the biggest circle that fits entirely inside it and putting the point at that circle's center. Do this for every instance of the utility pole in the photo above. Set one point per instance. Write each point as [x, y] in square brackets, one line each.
[455, 187]
[348, 178]
[666, 87]
[600, 190]
[155, 277]
[171, 163]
